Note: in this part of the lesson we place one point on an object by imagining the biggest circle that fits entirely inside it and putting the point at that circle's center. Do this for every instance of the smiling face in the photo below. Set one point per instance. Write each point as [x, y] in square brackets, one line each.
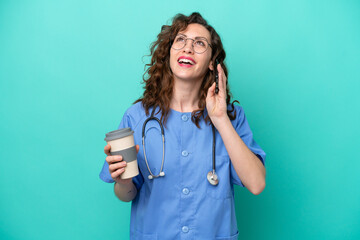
[185, 63]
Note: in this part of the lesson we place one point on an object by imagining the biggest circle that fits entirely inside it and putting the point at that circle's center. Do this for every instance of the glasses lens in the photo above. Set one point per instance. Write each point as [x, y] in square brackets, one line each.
[179, 42]
[200, 46]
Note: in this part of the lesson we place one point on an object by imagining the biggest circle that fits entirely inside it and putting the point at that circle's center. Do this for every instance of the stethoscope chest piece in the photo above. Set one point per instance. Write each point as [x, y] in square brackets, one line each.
[212, 178]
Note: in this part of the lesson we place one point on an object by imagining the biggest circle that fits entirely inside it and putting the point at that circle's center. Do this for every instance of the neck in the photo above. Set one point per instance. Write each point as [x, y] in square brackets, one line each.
[185, 96]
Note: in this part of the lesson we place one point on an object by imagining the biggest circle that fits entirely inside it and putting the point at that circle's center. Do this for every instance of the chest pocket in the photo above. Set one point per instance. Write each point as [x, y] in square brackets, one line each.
[223, 189]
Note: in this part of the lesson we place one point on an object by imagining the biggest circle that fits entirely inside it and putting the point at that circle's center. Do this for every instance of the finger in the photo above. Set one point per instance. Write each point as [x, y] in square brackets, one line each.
[117, 173]
[137, 148]
[113, 159]
[221, 84]
[211, 90]
[222, 79]
[107, 149]
[115, 166]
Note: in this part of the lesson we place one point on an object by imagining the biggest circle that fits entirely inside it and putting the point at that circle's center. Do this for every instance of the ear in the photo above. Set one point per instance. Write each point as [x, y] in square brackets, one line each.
[211, 66]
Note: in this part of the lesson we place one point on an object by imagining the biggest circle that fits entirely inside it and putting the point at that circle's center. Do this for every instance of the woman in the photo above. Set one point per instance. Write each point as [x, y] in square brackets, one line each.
[180, 91]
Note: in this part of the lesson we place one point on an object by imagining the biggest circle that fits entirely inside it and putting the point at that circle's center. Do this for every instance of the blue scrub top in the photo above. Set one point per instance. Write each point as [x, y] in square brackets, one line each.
[183, 204]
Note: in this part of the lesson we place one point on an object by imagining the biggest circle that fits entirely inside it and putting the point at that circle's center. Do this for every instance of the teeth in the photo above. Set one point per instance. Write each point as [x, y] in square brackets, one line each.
[183, 60]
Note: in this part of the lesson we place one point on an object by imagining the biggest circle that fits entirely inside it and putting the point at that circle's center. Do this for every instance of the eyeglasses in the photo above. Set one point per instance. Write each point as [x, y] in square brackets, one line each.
[199, 45]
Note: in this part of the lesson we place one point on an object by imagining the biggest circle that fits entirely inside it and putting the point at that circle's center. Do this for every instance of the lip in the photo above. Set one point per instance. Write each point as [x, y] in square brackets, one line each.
[185, 65]
[184, 57]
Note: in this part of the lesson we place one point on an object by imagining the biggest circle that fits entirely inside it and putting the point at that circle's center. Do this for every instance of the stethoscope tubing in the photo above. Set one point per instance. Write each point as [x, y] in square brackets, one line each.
[151, 176]
[212, 177]
[213, 148]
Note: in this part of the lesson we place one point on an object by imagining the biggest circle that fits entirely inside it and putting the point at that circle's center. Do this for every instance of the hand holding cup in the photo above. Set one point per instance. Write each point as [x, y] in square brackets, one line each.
[122, 154]
[117, 165]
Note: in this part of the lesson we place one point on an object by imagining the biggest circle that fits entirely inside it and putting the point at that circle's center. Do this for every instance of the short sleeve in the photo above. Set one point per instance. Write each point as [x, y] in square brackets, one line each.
[242, 128]
[105, 174]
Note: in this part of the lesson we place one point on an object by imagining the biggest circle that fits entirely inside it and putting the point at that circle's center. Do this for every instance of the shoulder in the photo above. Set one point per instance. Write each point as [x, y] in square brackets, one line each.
[135, 109]
[135, 113]
[238, 110]
[239, 114]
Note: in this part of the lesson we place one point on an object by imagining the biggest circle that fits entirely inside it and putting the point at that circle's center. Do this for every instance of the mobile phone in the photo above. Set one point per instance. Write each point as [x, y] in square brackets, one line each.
[216, 76]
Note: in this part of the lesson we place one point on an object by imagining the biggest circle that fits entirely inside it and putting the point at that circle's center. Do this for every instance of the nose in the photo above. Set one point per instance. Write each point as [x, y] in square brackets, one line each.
[189, 48]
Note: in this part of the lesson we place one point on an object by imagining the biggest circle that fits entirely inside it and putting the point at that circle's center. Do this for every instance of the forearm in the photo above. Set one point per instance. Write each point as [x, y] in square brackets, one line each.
[247, 165]
[125, 191]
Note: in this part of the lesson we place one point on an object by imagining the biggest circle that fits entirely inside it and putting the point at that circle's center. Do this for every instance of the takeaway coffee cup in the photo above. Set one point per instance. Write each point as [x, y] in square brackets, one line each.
[122, 143]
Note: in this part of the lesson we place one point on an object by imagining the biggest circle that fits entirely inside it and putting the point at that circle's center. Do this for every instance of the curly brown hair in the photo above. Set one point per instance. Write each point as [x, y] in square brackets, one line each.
[159, 81]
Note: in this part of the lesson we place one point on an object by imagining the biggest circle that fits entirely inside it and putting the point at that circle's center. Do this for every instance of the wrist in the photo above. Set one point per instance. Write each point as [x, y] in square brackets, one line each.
[124, 182]
[221, 122]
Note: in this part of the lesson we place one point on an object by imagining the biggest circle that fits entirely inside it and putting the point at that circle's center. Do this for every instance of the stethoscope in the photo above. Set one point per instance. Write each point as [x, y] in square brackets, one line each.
[211, 176]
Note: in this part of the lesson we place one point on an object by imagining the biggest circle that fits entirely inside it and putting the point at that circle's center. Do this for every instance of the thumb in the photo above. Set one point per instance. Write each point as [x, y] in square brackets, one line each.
[137, 148]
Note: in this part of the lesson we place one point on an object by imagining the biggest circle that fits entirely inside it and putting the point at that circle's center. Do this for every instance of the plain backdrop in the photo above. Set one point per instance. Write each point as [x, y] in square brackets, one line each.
[69, 70]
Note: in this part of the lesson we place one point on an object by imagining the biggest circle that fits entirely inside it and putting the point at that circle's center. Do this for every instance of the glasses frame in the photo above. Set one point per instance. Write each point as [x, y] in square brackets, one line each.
[192, 44]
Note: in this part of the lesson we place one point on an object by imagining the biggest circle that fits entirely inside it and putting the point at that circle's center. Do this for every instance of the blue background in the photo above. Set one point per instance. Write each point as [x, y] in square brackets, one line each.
[69, 69]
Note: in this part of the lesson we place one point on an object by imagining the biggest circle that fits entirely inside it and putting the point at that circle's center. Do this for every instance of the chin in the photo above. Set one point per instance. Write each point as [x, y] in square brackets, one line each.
[185, 74]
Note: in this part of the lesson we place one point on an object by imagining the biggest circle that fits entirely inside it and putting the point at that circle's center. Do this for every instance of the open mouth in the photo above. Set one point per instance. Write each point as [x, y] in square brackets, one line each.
[186, 61]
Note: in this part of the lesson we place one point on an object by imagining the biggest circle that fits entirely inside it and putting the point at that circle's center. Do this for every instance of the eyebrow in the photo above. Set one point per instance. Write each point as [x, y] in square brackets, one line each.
[195, 37]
